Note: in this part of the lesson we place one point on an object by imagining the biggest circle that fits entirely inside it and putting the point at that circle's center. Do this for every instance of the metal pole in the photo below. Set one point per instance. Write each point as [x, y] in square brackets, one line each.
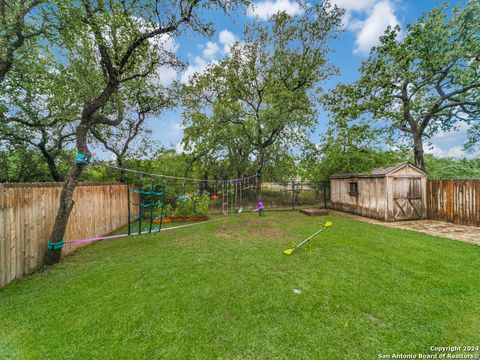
[293, 195]
[325, 195]
[153, 198]
[162, 199]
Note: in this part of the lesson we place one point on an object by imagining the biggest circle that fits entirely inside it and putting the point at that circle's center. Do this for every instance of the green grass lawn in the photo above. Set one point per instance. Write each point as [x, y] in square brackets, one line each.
[225, 290]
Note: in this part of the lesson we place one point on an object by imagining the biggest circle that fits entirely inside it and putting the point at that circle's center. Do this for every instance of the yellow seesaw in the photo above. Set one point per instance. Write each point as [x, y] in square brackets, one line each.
[289, 251]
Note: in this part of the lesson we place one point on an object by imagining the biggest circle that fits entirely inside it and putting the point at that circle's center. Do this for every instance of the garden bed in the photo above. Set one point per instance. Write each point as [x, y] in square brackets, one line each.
[195, 218]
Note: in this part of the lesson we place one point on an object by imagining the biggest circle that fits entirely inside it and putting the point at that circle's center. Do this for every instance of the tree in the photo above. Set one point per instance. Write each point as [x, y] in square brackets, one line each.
[132, 136]
[420, 83]
[18, 25]
[21, 163]
[107, 44]
[22, 26]
[220, 152]
[449, 168]
[259, 99]
[350, 147]
[42, 107]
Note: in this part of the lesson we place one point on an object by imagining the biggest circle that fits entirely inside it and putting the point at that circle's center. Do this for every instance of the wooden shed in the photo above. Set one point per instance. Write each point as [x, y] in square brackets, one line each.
[389, 194]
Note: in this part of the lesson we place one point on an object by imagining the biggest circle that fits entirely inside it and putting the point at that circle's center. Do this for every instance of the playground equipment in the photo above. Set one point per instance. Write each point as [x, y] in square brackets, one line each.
[151, 201]
[290, 251]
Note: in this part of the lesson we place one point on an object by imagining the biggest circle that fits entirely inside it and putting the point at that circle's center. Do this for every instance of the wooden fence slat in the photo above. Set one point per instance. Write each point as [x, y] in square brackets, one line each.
[27, 214]
[456, 201]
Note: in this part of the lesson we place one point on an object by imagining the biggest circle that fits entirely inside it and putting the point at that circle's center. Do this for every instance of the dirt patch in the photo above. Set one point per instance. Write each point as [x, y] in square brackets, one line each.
[182, 219]
[251, 229]
[183, 240]
[222, 234]
[270, 233]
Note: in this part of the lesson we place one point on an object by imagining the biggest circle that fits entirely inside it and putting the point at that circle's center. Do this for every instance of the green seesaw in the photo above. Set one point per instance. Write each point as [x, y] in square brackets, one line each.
[289, 251]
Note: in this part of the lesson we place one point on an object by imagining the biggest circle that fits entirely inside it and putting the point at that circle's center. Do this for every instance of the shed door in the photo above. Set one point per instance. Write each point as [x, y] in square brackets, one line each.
[407, 198]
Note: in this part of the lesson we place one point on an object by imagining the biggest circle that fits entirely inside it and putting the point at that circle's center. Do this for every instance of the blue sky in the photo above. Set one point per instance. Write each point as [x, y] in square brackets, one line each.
[364, 21]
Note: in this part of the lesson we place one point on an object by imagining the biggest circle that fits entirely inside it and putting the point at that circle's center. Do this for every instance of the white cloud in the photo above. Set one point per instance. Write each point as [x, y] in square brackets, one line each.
[451, 143]
[199, 65]
[166, 74]
[354, 5]
[453, 152]
[265, 9]
[227, 39]
[211, 49]
[459, 134]
[373, 27]
[176, 127]
[180, 149]
[368, 19]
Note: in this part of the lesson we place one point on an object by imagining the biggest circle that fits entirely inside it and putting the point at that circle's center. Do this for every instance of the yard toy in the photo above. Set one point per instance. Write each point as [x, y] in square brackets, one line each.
[290, 251]
[260, 208]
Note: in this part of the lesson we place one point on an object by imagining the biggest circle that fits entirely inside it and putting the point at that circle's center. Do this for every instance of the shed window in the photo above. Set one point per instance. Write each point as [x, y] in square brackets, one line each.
[353, 189]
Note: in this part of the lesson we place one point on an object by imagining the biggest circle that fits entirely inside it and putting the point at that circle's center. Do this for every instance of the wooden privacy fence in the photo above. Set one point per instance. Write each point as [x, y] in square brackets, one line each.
[27, 214]
[456, 201]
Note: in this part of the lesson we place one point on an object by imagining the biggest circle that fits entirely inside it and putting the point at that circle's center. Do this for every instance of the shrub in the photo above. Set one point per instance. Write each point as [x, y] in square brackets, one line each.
[197, 205]
[184, 208]
[202, 204]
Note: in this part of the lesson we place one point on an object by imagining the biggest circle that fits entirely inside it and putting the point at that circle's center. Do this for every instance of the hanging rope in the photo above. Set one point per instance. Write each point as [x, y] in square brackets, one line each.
[97, 163]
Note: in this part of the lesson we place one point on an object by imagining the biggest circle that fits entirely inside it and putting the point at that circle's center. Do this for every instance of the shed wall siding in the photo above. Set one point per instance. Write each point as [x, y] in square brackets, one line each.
[370, 201]
[376, 194]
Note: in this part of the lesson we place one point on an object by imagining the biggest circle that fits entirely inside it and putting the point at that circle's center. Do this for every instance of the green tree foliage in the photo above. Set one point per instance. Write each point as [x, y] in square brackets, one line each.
[420, 82]
[41, 107]
[163, 161]
[259, 101]
[20, 24]
[21, 163]
[33, 90]
[350, 147]
[449, 168]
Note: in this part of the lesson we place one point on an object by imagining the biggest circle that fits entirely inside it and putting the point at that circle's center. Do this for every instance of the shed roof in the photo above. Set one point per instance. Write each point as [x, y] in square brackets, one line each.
[376, 172]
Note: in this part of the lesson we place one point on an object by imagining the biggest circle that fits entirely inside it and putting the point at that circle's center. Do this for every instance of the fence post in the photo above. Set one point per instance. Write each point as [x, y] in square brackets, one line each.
[293, 195]
[324, 194]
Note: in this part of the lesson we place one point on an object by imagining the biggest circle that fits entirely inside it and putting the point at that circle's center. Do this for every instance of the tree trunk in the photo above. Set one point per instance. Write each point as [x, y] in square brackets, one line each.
[66, 198]
[261, 161]
[418, 151]
[121, 173]
[52, 166]
[66, 205]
